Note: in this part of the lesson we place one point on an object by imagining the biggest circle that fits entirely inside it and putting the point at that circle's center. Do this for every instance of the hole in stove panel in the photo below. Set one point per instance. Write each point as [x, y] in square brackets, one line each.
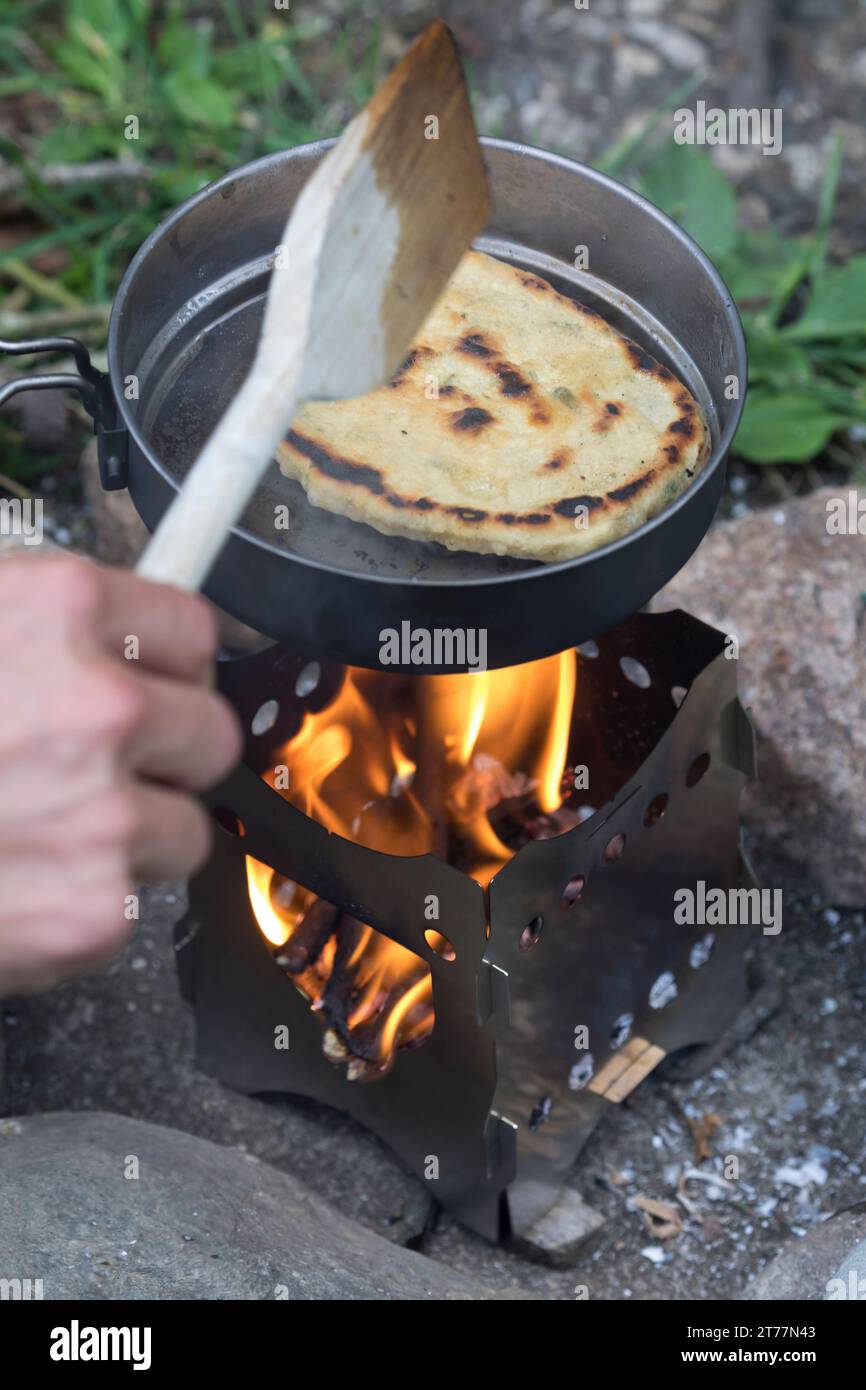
[308, 679]
[229, 821]
[264, 718]
[621, 1031]
[581, 1073]
[573, 890]
[636, 672]
[371, 995]
[541, 1112]
[614, 848]
[589, 649]
[656, 809]
[664, 991]
[702, 950]
[697, 769]
[440, 944]
[530, 934]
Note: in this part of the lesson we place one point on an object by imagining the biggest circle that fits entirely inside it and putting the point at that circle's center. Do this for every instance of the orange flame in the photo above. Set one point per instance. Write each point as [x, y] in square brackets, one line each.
[410, 767]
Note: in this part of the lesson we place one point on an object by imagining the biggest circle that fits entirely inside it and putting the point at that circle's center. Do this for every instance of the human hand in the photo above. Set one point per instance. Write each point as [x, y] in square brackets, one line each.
[99, 752]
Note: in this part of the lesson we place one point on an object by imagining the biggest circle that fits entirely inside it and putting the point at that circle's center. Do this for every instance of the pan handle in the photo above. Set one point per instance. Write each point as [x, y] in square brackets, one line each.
[94, 388]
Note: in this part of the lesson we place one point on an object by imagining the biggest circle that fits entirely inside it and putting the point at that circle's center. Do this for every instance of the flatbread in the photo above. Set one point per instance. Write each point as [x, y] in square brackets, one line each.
[521, 423]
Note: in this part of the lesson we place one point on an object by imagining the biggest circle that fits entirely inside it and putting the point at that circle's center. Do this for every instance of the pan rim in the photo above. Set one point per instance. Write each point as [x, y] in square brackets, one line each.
[240, 534]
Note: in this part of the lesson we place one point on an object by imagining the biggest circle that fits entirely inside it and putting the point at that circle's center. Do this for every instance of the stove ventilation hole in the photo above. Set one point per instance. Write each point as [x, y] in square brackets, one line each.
[656, 809]
[613, 849]
[531, 933]
[229, 821]
[678, 694]
[701, 951]
[308, 679]
[265, 718]
[572, 890]
[635, 672]
[581, 1073]
[663, 992]
[697, 769]
[589, 649]
[621, 1031]
[440, 944]
[541, 1112]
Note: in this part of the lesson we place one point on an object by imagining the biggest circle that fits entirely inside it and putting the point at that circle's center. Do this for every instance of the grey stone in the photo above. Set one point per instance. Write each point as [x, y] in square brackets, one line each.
[803, 1269]
[557, 1236]
[198, 1221]
[793, 595]
[121, 535]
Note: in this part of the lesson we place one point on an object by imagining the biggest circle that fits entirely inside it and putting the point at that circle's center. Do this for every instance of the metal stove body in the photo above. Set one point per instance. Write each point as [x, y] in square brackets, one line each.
[494, 1107]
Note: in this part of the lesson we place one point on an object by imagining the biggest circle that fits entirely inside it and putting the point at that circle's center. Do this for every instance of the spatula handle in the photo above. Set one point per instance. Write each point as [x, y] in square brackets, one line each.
[192, 532]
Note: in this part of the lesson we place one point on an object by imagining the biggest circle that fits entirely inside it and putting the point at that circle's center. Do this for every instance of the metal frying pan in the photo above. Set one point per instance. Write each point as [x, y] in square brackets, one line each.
[181, 337]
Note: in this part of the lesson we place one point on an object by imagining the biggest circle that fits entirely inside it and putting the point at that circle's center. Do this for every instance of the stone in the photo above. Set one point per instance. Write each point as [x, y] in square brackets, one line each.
[804, 1268]
[100, 1206]
[680, 49]
[557, 1236]
[795, 597]
[121, 535]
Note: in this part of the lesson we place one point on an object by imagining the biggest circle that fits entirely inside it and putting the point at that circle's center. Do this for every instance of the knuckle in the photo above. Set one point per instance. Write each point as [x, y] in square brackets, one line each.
[112, 818]
[115, 702]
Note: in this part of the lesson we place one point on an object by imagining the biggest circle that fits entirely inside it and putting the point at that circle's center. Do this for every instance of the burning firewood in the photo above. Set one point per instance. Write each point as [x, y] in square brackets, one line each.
[485, 785]
[336, 999]
[309, 937]
[552, 823]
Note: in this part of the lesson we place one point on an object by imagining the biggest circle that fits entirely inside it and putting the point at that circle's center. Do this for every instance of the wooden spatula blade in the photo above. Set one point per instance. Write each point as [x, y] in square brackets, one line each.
[405, 191]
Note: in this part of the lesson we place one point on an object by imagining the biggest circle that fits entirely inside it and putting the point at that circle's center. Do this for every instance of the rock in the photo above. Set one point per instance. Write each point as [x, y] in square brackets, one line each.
[121, 535]
[631, 62]
[199, 1221]
[805, 1267]
[557, 1236]
[680, 49]
[794, 597]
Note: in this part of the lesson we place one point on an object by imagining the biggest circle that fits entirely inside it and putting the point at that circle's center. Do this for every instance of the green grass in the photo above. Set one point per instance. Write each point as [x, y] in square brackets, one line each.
[805, 320]
[200, 90]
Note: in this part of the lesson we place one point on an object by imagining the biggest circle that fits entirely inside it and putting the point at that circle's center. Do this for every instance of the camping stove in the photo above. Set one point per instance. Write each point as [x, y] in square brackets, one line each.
[440, 900]
[481, 1006]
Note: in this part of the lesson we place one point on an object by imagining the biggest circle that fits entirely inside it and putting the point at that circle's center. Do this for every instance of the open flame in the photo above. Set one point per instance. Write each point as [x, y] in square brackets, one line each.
[410, 766]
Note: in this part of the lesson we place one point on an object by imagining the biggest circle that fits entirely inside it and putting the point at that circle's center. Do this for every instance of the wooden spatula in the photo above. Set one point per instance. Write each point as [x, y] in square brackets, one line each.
[371, 243]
